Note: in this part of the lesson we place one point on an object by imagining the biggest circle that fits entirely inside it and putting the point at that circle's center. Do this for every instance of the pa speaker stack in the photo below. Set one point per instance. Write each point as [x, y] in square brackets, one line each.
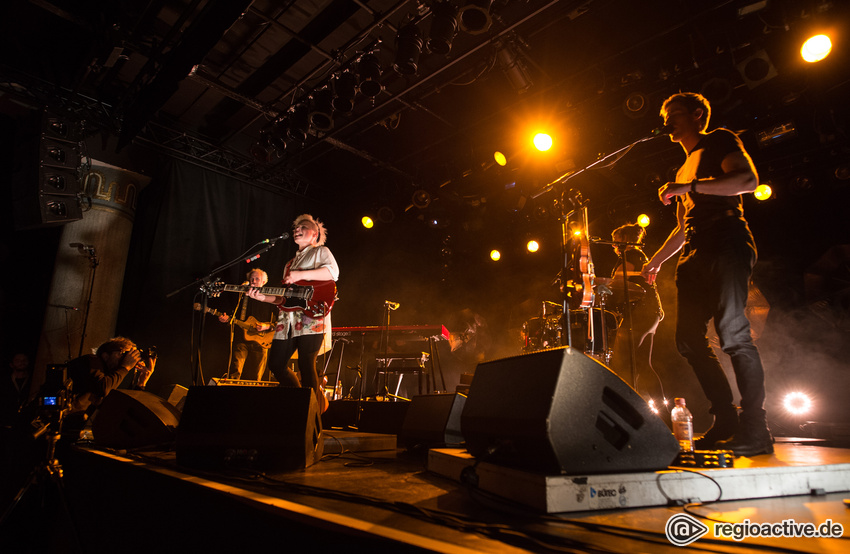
[559, 411]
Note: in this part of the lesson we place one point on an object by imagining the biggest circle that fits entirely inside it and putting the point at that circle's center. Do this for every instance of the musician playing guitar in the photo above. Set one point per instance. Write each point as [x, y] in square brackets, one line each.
[296, 329]
[250, 350]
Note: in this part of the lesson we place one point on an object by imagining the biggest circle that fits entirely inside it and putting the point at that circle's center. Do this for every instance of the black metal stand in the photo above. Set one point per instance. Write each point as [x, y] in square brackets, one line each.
[94, 263]
[48, 475]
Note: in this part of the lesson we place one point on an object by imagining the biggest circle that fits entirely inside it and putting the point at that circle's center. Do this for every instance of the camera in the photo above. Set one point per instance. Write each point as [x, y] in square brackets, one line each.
[148, 353]
[53, 401]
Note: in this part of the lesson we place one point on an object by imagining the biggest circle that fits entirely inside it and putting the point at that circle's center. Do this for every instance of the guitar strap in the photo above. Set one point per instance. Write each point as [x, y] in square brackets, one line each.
[243, 312]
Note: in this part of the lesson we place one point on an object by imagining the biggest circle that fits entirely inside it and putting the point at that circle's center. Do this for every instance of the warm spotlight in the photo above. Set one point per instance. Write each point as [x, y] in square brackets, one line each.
[495, 255]
[797, 403]
[500, 158]
[643, 220]
[367, 222]
[763, 192]
[532, 246]
[816, 48]
[542, 142]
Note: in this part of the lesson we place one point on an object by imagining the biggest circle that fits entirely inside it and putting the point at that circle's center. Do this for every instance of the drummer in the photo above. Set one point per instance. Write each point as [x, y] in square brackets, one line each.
[643, 304]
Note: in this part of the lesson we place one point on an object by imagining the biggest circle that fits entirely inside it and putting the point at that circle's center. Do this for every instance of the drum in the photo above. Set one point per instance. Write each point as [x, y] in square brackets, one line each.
[594, 345]
[541, 332]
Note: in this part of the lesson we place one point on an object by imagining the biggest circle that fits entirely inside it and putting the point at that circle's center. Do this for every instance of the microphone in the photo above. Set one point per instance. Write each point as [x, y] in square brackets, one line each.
[282, 236]
[663, 130]
[391, 305]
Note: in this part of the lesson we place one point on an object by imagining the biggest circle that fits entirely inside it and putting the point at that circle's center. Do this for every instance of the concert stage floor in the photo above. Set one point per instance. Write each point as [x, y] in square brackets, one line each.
[388, 501]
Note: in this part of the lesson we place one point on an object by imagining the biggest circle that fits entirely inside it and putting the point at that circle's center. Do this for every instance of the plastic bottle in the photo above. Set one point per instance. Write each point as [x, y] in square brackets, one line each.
[683, 425]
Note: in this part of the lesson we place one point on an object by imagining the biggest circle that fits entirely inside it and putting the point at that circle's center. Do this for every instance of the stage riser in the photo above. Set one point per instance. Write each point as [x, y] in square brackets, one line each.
[577, 493]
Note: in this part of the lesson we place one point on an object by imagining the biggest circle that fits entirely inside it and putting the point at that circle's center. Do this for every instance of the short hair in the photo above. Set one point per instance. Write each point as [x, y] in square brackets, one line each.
[115, 344]
[630, 233]
[317, 226]
[261, 272]
[692, 102]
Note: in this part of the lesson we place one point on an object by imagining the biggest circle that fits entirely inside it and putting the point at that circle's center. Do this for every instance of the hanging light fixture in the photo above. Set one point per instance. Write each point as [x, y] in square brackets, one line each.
[369, 71]
[443, 28]
[321, 112]
[345, 90]
[474, 18]
[408, 49]
[299, 124]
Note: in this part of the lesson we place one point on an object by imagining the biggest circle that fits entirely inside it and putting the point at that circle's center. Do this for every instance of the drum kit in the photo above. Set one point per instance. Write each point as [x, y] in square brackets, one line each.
[592, 329]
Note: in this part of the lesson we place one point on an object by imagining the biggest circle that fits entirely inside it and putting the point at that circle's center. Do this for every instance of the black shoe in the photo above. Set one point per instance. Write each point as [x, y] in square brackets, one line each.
[724, 428]
[749, 442]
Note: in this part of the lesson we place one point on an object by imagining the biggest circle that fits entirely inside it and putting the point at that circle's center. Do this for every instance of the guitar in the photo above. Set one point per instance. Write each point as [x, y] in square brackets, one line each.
[263, 338]
[314, 298]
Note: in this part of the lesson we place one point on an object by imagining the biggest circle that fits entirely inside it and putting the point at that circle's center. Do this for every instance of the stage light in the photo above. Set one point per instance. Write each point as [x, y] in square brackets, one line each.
[643, 220]
[369, 71]
[263, 151]
[277, 135]
[797, 403]
[495, 255]
[299, 124]
[367, 222]
[474, 18]
[763, 192]
[443, 28]
[816, 48]
[408, 49]
[345, 90]
[386, 214]
[542, 142]
[514, 69]
[500, 158]
[532, 246]
[321, 113]
[421, 199]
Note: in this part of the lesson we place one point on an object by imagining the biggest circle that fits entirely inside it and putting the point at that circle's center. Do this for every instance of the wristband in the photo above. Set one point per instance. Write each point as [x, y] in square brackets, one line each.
[694, 186]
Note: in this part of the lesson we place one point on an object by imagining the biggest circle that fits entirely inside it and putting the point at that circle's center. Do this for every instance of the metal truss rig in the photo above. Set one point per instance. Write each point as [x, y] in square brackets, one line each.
[205, 154]
[99, 116]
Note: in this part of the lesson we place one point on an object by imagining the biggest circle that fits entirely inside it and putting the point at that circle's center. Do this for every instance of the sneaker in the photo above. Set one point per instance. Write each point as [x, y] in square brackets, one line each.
[749, 442]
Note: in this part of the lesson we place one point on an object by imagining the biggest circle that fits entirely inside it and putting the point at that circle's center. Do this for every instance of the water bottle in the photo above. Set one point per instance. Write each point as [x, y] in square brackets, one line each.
[683, 425]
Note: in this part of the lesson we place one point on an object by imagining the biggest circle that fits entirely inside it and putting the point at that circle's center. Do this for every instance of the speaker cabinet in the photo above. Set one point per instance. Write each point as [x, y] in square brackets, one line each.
[261, 428]
[433, 420]
[560, 411]
[134, 418]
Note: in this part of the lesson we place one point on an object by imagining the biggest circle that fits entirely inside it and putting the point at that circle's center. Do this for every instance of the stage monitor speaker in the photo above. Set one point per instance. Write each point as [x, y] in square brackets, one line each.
[559, 411]
[433, 420]
[259, 428]
[134, 418]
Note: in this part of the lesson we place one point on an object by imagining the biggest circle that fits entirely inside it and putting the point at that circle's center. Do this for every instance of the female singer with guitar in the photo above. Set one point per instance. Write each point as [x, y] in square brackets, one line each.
[296, 329]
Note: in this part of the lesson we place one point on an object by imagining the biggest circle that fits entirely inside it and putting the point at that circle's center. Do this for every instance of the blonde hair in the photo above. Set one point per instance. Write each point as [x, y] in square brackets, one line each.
[318, 226]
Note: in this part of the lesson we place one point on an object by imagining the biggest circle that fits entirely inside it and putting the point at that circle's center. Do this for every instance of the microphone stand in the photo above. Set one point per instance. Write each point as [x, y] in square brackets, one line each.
[577, 204]
[206, 286]
[94, 263]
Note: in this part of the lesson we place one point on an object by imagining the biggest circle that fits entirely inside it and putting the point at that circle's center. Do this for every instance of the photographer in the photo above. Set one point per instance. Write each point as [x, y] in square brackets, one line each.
[96, 375]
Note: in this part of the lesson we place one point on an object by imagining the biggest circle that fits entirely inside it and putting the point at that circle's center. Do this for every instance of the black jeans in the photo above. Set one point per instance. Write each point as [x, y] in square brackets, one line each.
[308, 347]
[713, 279]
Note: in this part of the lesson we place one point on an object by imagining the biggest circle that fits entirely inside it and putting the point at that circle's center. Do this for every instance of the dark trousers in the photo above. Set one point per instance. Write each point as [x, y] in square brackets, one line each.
[248, 361]
[308, 347]
[713, 279]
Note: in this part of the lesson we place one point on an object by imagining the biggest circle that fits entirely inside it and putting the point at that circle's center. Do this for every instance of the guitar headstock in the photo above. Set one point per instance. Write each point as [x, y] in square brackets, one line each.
[213, 288]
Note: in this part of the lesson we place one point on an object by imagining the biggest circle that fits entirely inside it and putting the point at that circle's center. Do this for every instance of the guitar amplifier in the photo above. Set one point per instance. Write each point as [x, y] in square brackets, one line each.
[240, 383]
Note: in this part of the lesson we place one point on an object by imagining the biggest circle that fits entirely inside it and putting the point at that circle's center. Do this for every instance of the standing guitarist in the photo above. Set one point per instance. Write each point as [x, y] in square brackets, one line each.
[250, 352]
[299, 330]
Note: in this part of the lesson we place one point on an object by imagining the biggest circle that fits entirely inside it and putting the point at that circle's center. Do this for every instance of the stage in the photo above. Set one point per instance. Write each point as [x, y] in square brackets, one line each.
[367, 494]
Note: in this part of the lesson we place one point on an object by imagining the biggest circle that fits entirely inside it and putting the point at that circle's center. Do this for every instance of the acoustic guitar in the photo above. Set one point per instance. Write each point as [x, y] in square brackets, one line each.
[249, 326]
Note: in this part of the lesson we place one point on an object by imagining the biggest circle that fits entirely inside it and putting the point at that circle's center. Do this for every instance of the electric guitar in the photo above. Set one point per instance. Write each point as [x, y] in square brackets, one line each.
[263, 338]
[314, 298]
